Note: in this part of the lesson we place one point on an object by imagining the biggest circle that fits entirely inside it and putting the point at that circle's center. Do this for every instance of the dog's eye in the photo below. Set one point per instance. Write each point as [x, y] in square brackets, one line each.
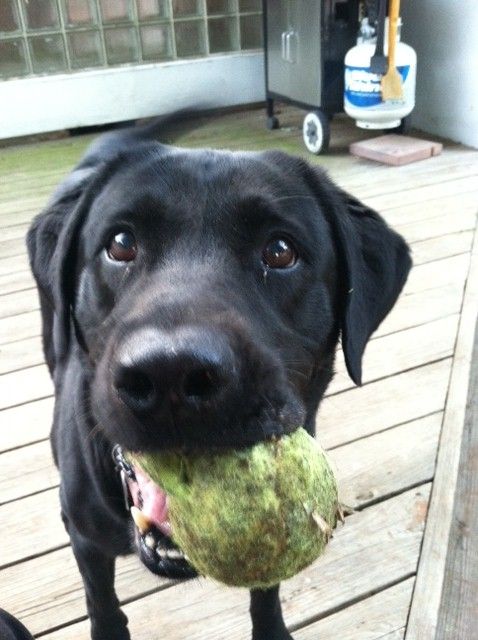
[122, 247]
[279, 254]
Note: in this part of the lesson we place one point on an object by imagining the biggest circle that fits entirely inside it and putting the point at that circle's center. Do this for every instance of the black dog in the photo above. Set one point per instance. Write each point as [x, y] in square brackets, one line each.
[11, 628]
[192, 299]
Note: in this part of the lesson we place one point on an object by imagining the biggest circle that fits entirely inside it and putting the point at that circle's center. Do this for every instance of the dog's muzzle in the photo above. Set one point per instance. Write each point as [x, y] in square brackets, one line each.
[147, 504]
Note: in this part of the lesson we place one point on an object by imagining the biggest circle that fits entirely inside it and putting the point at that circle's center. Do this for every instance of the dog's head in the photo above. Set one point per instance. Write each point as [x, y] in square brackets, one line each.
[205, 291]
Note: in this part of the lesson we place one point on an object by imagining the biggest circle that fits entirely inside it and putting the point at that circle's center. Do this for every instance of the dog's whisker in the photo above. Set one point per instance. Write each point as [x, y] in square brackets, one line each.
[297, 373]
[294, 197]
[95, 431]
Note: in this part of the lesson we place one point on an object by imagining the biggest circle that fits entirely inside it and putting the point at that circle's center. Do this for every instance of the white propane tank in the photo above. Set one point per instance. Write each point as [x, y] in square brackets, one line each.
[363, 95]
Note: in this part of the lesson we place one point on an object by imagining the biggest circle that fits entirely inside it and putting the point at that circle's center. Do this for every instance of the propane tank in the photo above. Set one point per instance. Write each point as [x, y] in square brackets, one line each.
[363, 95]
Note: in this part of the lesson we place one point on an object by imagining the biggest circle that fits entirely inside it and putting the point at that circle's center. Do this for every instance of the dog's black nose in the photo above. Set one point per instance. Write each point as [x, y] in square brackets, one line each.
[187, 367]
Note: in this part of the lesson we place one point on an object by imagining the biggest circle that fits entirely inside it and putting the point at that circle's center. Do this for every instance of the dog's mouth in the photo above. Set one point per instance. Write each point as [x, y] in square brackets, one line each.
[152, 529]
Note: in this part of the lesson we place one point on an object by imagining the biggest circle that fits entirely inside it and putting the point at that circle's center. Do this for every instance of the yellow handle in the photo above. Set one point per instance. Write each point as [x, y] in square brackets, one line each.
[394, 13]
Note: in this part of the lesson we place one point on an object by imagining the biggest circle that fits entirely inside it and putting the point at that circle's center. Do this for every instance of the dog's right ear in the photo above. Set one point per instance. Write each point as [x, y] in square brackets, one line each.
[52, 261]
[43, 234]
[51, 237]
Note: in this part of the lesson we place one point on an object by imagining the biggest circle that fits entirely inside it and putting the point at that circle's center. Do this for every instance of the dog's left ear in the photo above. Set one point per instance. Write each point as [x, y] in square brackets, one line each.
[375, 261]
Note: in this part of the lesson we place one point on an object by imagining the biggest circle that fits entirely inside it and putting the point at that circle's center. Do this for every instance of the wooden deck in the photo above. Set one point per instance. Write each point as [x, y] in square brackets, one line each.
[384, 438]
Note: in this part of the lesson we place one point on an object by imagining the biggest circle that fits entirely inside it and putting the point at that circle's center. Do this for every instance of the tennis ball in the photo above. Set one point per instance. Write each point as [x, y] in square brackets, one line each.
[249, 517]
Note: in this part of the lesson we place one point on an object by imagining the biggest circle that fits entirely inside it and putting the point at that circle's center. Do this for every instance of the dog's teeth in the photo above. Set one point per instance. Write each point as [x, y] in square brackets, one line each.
[172, 554]
[140, 520]
[149, 541]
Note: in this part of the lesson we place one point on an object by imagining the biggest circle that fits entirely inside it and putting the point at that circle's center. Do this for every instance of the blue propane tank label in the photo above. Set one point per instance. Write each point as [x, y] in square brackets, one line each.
[362, 88]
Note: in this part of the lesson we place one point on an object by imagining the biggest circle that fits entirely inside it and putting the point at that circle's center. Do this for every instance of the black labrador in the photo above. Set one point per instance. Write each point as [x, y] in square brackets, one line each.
[11, 628]
[192, 298]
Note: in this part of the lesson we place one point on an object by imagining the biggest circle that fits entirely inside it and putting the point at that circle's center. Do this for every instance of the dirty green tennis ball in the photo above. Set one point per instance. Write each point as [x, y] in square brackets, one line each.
[250, 517]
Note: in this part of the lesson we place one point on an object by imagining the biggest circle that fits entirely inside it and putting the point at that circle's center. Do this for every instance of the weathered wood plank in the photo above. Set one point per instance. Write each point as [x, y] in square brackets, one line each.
[458, 614]
[434, 290]
[18, 217]
[21, 210]
[453, 266]
[419, 229]
[38, 187]
[374, 618]
[436, 227]
[413, 309]
[21, 354]
[376, 406]
[19, 185]
[361, 478]
[30, 527]
[25, 385]
[418, 304]
[35, 194]
[377, 547]
[24, 325]
[387, 462]
[423, 251]
[16, 281]
[13, 233]
[11, 248]
[418, 194]
[31, 468]
[435, 207]
[398, 634]
[360, 412]
[404, 350]
[451, 162]
[442, 247]
[12, 265]
[25, 424]
[48, 591]
[349, 415]
[448, 168]
[31, 202]
[13, 304]
[438, 273]
[27, 470]
[429, 587]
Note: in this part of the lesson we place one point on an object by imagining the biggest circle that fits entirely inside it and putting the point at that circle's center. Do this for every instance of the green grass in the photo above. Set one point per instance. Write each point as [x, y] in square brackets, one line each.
[42, 157]
[244, 130]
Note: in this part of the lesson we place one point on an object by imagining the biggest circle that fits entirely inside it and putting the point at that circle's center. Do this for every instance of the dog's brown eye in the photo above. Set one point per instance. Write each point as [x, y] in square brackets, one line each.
[122, 247]
[279, 254]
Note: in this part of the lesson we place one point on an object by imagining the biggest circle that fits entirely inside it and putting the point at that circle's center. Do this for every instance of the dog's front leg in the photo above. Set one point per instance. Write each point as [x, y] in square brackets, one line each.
[266, 614]
[107, 620]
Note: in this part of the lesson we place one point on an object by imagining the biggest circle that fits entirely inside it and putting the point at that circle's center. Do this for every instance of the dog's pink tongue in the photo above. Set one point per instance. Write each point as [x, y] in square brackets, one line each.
[154, 501]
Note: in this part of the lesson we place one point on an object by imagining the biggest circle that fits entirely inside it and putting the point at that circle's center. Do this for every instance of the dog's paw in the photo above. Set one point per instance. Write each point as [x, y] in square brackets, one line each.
[98, 633]
[112, 628]
[283, 634]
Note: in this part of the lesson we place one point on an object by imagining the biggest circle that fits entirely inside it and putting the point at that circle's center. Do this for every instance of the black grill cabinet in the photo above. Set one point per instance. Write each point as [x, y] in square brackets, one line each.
[305, 43]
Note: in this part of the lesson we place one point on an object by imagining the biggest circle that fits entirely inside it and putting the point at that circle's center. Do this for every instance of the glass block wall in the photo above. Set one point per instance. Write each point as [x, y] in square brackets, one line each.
[58, 36]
